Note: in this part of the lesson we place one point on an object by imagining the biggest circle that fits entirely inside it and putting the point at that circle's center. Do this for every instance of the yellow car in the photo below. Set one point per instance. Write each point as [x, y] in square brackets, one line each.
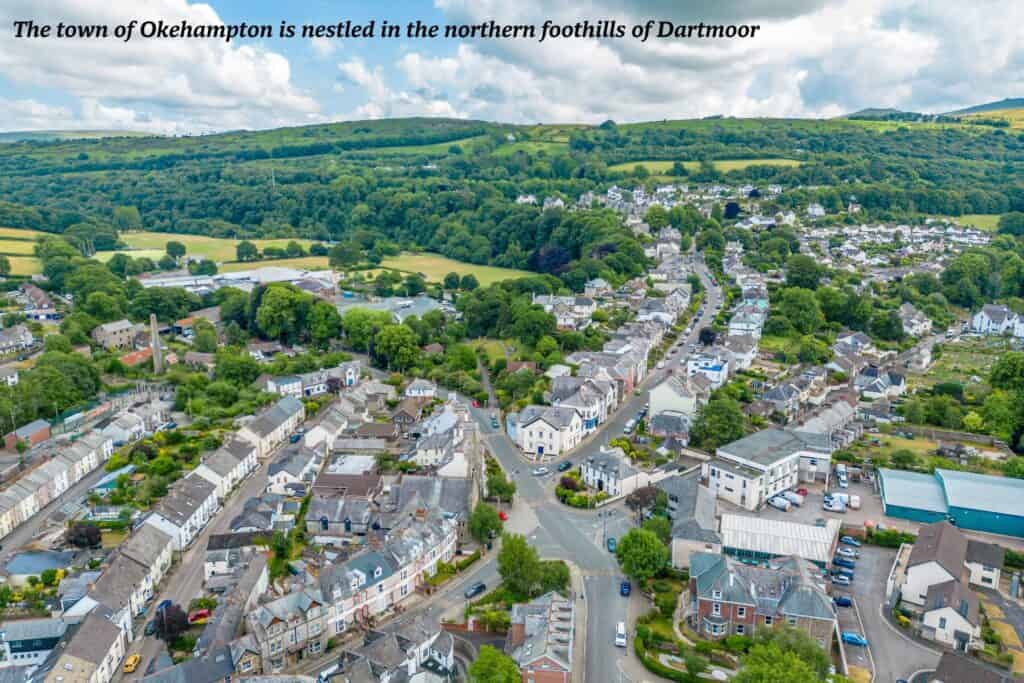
[131, 663]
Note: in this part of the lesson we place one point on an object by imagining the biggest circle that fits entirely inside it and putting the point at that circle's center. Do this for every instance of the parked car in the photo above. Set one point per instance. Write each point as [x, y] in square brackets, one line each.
[564, 465]
[611, 544]
[494, 422]
[802, 491]
[539, 471]
[854, 638]
[844, 562]
[850, 540]
[855, 502]
[131, 663]
[150, 627]
[842, 571]
[847, 552]
[475, 590]
[661, 363]
[503, 516]
[842, 601]
[620, 634]
[164, 604]
[294, 438]
[841, 580]
[624, 588]
[780, 503]
[199, 616]
[793, 497]
[833, 506]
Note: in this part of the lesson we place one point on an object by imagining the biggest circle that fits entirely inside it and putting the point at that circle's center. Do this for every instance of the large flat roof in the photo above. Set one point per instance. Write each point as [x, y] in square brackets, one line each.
[1003, 495]
[778, 537]
[912, 490]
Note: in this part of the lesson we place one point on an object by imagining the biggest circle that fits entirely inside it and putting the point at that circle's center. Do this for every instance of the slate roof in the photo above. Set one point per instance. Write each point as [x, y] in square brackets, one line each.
[956, 595]
[611, 461]
[694, 517]
[943, 543]
[957, 668]
[767, 446]
[272, 418]
[988, 554]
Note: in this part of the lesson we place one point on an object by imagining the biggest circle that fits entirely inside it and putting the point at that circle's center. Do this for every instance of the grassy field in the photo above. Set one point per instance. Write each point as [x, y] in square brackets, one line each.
[1014, 116]
[434, 267]
[25, 265]
[218, 249]
[18, 247]
[724, 165]
[154, 254]
[495, 347]
[532, 146]
[989, 222]
[304, 263]
[20, 234]
[440, 148]
[961, 361]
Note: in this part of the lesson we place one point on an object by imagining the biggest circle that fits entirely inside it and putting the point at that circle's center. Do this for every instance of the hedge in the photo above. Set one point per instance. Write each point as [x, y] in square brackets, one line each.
[656, 667]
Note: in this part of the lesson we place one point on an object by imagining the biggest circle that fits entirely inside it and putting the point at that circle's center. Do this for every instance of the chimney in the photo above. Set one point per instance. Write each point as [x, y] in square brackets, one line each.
[154, 343]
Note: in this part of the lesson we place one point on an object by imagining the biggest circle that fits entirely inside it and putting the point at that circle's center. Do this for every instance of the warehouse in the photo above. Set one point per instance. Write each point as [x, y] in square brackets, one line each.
[978, 502]
[756, 539]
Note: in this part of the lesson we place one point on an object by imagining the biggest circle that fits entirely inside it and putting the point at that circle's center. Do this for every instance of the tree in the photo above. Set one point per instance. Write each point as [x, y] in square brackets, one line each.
[718, 422]
[246, 251]
[1008, 372]
[344, 255]
[324, 323]
[493, 666]
[451, 281]
[1012, 223]
[396, 346]
[790, 640]
[49, 577]
[903, 459]
[205, 337]
[83, 535]
[469, 282]
[5, 266]
[802, 271]
[175, 249]
[519, 566]
[660, 527]
[769, 664]
[484, 522]
[166, 262]
[801, 308]
[171, 622]
[641, 554]
[501, 488]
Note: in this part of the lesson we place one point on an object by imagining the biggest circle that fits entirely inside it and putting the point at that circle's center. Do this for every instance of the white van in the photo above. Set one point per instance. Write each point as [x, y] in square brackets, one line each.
[620, 634]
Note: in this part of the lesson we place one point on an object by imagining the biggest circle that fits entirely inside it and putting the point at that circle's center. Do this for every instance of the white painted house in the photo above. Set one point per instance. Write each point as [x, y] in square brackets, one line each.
[548, 431]
[673, 394]
[185, 510]
[271, 427]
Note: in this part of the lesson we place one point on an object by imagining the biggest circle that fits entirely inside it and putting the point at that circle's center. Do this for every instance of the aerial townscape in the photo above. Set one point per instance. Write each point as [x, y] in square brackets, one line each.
[439, 400]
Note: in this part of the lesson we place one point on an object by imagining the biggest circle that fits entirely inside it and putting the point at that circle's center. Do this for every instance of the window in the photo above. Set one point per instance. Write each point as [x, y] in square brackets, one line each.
[739, 629]
[314, 629]
[314, 647]
[767, 621]
[987, 579]
[942, 622]
[716, 609]
[741, 611]
[247, 665]
[380, 587]
[717, 595]
[339, 626]
[791, 621]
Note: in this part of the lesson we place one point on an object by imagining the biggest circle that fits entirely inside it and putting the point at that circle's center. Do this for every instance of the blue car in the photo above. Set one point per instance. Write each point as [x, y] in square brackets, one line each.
[850, 540]
[164, 604]
[844, 562]
[611, 544]
[842, 601]
[624, 588]
[840, 571]
[853, 638]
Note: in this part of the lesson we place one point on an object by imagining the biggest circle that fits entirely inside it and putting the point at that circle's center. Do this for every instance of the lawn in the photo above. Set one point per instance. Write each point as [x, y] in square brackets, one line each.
[304, 263]
[920, 446]
[154, 254]
[1006, 632]
[989, 222]
[112, 539]
[725, 165]
[495, 347]
[218, 249]
[434, 267]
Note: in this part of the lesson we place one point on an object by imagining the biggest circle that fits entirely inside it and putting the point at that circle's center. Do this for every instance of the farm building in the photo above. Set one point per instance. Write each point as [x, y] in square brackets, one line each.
[971, 501]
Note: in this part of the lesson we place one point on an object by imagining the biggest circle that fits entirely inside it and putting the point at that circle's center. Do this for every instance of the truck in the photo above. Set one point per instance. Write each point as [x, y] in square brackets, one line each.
[793, 497]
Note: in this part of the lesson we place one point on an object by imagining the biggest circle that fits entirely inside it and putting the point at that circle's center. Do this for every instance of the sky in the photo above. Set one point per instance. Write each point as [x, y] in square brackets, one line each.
[811, 58]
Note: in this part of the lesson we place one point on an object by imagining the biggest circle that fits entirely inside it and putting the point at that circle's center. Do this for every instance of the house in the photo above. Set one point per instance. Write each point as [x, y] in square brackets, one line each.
[729, 597]
[185, 510]
[296, 466]
[671, 424]
[228, 465]
[550, 431]
[125, 428]
[743, 349]
[715, 367]
[836, 421]
[746, 323]
[330, 424]
[119, 334]
[407, 413]
[955, 667]
[15, 338]
[675, 394]
[993, 319]
[27, 642]
[453, 497]
[273, 425]
[749, 471]
[596, 288]
[691, 507]
[541, 637]
[32, 433]
[941, 554]
[915, 323]
[875, 383]
[951, 616]
[611, 472]
[418, 652]
[91, 654]
[9, 375]
[421, 388]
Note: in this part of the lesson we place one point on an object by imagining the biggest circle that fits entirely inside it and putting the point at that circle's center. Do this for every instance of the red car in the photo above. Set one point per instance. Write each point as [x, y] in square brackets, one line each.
[503, 516]
[476, 404]
[801, 491]
[199, 616]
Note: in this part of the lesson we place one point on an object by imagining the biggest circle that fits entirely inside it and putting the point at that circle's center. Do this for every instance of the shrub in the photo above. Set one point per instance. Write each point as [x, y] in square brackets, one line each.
[737, 644]
[889, 538]
[666, 602]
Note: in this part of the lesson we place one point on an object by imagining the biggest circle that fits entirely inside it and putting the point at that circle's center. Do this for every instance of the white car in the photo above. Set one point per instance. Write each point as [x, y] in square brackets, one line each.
[847, 552]
[834, 506]
[540, 471]
[620, 634]
[780, 503]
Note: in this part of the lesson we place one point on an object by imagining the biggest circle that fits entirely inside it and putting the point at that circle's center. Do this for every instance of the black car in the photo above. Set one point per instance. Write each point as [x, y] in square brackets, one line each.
[150, 627]
[475, 590]
[564, 465]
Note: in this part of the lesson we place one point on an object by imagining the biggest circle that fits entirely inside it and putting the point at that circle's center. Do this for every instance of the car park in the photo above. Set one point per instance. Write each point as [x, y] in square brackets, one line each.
[539, 471]
[850, 540]
[854, 638]
[475, 590]
[842, 601]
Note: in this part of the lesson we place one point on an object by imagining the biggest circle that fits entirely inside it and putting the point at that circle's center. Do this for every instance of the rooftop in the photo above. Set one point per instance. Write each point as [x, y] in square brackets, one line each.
[1001, 495]
[778, 538]
[912, 490]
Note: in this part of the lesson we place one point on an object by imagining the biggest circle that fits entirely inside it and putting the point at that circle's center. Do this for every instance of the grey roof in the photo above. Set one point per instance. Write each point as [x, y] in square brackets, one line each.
[94, 638]
[971, 491]
[145, 545]
[294, 461]
[670, 422]
[25, 431]
[989, 554]
[117, 583]
[611, 461]
[548, 627]
[953, 594]
[449, 495]
[912, 490]
[694, 515]
[184, 498]
[211, 668]
[116, 326]
[767, 446]
[943, 543]
[273, 417]
[32, 629]
[957, 668]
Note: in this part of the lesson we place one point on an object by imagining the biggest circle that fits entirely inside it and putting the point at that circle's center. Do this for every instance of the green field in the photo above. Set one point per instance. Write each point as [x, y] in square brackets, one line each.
[434, 267]
[961, 361]
[989, 222]
[19, 247]
[24, 265]
[154, 254]
[532, 146]
[20, 234]
[660, 166]
[304, 263]
[218, 249]
[1014, 116]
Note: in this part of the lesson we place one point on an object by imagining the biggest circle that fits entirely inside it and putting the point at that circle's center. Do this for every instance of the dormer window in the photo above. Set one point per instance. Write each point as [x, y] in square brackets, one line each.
[717, 595]
[377, 572]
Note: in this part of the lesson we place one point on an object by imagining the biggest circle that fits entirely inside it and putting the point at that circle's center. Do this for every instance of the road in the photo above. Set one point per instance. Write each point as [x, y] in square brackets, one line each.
[186, 578]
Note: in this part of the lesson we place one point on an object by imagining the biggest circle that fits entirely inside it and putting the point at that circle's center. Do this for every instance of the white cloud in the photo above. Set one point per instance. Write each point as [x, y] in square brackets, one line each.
[324, 47]
[185, 85]
[383, 102]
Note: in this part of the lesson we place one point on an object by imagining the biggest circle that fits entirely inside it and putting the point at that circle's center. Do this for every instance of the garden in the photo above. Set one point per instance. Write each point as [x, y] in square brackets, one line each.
[573, 492]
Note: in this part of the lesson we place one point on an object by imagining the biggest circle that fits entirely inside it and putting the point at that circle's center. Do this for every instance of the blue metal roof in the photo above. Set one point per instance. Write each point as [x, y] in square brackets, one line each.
[912, 490]
[1002, 495]
[37, 561]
